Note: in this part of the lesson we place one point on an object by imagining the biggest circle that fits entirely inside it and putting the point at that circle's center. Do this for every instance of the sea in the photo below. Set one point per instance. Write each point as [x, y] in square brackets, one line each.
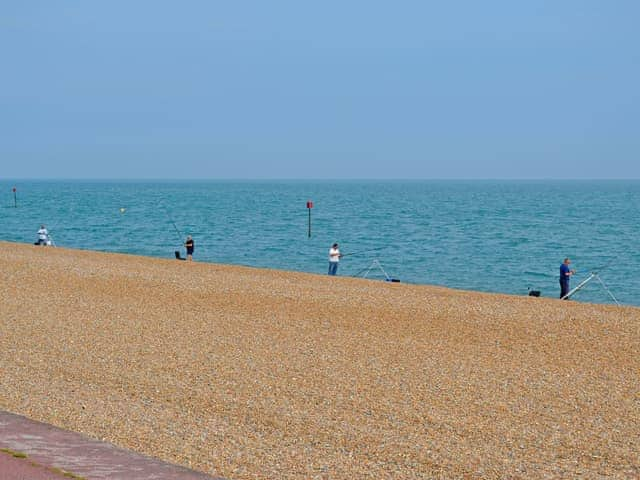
[491, 236]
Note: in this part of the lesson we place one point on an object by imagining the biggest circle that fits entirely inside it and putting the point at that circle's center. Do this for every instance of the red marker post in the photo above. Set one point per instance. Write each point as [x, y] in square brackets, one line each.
[309, 207]
[15, 198]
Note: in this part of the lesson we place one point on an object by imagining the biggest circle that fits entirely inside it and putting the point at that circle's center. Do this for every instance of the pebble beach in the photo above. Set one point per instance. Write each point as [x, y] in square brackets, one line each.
[251, 373]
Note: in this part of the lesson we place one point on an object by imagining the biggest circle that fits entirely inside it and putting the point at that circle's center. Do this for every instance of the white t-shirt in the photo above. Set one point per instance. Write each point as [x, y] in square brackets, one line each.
[42, 234]
[334, 254]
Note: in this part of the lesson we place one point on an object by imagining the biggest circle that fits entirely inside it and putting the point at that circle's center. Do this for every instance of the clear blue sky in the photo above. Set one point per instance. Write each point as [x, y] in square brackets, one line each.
[332, 89]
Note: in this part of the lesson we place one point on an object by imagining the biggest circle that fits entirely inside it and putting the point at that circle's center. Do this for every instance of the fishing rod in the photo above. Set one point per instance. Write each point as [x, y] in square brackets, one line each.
[177, 231]
[175, 227]
[587, 280]
[396, 243]
[359, 252]
[377, 264]
[594, 275]
[606, 265]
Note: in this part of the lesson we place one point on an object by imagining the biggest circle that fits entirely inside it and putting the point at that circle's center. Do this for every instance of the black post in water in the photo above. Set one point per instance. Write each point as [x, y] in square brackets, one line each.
[309, 207]
[15, 198]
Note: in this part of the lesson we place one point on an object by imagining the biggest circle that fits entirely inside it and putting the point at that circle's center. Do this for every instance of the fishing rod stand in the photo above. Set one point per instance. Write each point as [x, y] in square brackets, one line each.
[376, 263]
[587, 280]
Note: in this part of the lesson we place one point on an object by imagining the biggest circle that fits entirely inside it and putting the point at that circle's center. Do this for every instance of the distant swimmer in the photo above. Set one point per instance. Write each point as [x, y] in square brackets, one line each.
[189, 246]
[565, 276]
[43, 236]
[334, 259]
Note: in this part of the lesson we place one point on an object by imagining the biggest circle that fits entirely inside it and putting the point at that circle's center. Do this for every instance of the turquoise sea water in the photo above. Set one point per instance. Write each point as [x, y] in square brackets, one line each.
[495, 236]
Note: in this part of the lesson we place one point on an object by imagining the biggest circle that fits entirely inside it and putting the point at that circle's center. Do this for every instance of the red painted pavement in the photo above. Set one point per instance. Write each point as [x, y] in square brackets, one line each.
[48, 446]
[22, 469]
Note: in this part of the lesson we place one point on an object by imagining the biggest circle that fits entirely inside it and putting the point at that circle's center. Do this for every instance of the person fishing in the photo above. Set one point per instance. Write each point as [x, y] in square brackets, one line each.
[189, 244]
[565, 276]
[334, 259]
[43, 236]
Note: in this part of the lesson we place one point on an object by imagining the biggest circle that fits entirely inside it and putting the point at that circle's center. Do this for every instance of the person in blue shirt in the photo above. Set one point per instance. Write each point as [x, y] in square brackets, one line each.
[565, 275]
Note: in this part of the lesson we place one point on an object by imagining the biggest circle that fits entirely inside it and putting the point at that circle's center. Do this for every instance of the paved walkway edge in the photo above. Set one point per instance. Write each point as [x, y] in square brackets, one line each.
[83, 456]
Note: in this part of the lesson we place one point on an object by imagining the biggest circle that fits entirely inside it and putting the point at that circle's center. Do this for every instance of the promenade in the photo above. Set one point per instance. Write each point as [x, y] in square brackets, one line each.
[37, 451]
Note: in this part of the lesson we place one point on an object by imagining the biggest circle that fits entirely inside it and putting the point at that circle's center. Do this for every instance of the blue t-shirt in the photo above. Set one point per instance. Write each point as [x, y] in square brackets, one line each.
[564, 269]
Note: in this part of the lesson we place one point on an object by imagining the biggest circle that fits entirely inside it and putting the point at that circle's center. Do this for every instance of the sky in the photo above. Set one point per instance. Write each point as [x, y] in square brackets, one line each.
[320, 90]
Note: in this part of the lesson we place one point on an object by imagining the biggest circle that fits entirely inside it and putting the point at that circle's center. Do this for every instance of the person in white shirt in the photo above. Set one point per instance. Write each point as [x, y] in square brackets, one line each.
[334, 258]
[43, 236]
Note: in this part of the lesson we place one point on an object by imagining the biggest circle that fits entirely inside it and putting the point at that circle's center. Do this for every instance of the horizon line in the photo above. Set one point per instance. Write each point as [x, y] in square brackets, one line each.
[309, 179]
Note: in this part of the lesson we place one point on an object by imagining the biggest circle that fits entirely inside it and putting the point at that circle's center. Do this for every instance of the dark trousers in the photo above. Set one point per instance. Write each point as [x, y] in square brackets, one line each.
[564, 287]
[333, 268]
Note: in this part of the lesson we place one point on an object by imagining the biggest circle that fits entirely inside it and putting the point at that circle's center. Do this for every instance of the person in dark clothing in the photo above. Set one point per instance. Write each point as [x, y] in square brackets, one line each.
[565, 276]
[189, 246]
